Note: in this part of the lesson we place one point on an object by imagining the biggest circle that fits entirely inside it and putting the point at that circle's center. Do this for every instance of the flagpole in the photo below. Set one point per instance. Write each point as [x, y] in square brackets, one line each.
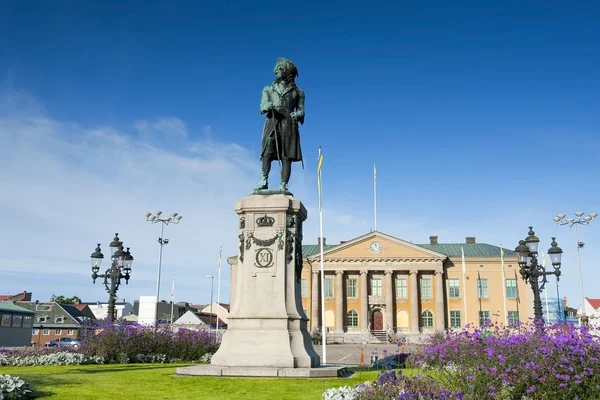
[323, 322]
[219, 289]
[172, 300]
[503, 285]
[375, 196]
[518, 299]
[464, 270]
[545, 290]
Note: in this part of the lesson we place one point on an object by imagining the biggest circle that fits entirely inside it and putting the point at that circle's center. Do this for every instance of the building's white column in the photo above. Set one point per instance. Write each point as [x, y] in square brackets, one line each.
[389, 299]
[439, 301]
[414, 301]
[363, 318]
[315, 295]
[339, 301]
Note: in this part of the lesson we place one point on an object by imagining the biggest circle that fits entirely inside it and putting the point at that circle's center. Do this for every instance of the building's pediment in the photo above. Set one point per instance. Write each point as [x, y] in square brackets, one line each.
[378, 246]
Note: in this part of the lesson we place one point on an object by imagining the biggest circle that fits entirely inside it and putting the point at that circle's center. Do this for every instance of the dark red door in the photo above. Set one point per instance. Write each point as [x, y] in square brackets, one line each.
[377, 321]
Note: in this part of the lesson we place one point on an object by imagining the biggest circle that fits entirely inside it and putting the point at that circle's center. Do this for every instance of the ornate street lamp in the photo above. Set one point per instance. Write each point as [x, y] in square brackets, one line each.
[120, 268]
[532, 272]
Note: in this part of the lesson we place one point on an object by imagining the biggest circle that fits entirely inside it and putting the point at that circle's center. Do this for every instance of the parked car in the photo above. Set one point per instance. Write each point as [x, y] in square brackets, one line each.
[65, 342]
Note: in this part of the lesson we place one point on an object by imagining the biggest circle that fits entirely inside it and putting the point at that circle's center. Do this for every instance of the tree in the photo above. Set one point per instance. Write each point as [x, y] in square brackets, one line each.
[65, 300]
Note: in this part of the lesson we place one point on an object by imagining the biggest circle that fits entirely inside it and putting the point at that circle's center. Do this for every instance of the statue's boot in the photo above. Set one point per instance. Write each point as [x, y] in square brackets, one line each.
[263, 184]
[286, 171]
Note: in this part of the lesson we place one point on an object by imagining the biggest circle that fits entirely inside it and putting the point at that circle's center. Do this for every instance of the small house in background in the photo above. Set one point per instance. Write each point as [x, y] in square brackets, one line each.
[15, 325]
[54, 321]
[195, 320]
[220, 309]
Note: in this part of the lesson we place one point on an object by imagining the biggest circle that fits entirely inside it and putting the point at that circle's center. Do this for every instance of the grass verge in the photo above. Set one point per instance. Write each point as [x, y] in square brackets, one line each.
[158, 381]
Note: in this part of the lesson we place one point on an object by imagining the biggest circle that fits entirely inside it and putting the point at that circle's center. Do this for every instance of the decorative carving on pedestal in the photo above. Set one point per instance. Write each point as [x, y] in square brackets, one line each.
[265, 221]
[241, 256]
[243, 222]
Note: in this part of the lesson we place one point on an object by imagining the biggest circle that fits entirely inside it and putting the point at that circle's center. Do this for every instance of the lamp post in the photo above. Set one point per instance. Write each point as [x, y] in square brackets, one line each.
[120, 268]
[532, 272]
[212, 281]
[156, 218]
[572, 222]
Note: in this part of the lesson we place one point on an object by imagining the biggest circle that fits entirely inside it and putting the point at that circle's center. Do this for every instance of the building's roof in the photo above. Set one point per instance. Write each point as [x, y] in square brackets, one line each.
[470, 249]
[23, 296]
[9, 306]
[312, 249]
[85, 310]
[449, 249]
[73, 318]
[594, 302]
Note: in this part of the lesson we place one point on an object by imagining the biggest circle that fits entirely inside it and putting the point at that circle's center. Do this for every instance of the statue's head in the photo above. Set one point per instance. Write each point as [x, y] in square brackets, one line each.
[285, 70]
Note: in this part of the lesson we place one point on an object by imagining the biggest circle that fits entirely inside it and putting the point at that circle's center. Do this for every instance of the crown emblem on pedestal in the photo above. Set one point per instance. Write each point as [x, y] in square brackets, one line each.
[265, 221]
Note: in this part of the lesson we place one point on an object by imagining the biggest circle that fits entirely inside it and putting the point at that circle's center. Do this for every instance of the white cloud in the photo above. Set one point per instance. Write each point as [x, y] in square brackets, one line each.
[67, 186]
[170, 127]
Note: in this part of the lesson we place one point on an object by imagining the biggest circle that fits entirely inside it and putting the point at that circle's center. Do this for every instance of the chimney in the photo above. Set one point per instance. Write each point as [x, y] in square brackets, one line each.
[319, 241]
[470, 240]
[433, 240]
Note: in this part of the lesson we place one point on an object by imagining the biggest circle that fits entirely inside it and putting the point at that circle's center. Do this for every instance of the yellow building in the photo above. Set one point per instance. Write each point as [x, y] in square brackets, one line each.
[376, 282]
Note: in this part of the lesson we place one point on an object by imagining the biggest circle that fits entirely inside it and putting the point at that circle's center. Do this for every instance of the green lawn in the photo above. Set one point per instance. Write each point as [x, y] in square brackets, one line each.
[158, 381]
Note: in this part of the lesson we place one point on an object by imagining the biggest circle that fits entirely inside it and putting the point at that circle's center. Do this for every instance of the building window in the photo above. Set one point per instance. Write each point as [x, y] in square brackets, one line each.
[17, 321]
[455, 319]
[511, 288]
[328, 287]
[377, 287]
[513, 318]
[59, 320]
[304, 288]
[42, 319]
[426, 292]
[57, 331]
[482, 288]
[427, 319]
[71, 331]
[35, 331]
[27, 321]
[46, 332]
[6, 319]
[352, 319]
[454, 288]
[352, 287]
[401, 291]
[484, 316]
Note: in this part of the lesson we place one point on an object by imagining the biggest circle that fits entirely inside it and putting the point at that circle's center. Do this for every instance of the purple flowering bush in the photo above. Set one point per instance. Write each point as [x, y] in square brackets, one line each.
[555, 362]
[125, 343]
[392, 385]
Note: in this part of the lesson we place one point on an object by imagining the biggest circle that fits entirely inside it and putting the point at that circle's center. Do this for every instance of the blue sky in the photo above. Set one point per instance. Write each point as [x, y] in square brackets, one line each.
[482, 120]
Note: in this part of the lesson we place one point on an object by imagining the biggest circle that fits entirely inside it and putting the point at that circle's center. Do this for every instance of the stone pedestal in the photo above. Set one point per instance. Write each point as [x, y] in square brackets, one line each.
[267, 325]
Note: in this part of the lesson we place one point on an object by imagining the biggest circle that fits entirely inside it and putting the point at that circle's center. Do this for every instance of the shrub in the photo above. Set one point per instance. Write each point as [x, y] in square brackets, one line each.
[392, 385]
[125, 343]
[538, 362]
[29, 357]
[13, 387]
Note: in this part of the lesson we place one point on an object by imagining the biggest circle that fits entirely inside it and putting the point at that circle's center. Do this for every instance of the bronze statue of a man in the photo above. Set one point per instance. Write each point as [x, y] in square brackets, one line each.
[283, 102]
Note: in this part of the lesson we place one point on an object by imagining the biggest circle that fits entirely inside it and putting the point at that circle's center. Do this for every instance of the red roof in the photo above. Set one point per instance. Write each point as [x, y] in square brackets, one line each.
[24, 296]
[594, 302]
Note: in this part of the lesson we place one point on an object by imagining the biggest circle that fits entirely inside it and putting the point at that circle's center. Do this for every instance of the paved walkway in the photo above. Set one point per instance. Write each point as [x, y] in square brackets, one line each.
[349, 354]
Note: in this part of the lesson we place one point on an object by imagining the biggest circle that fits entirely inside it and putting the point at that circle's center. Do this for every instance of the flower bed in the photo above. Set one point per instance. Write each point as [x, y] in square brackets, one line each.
[558, 362]
[125, 343]
[122, 344]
